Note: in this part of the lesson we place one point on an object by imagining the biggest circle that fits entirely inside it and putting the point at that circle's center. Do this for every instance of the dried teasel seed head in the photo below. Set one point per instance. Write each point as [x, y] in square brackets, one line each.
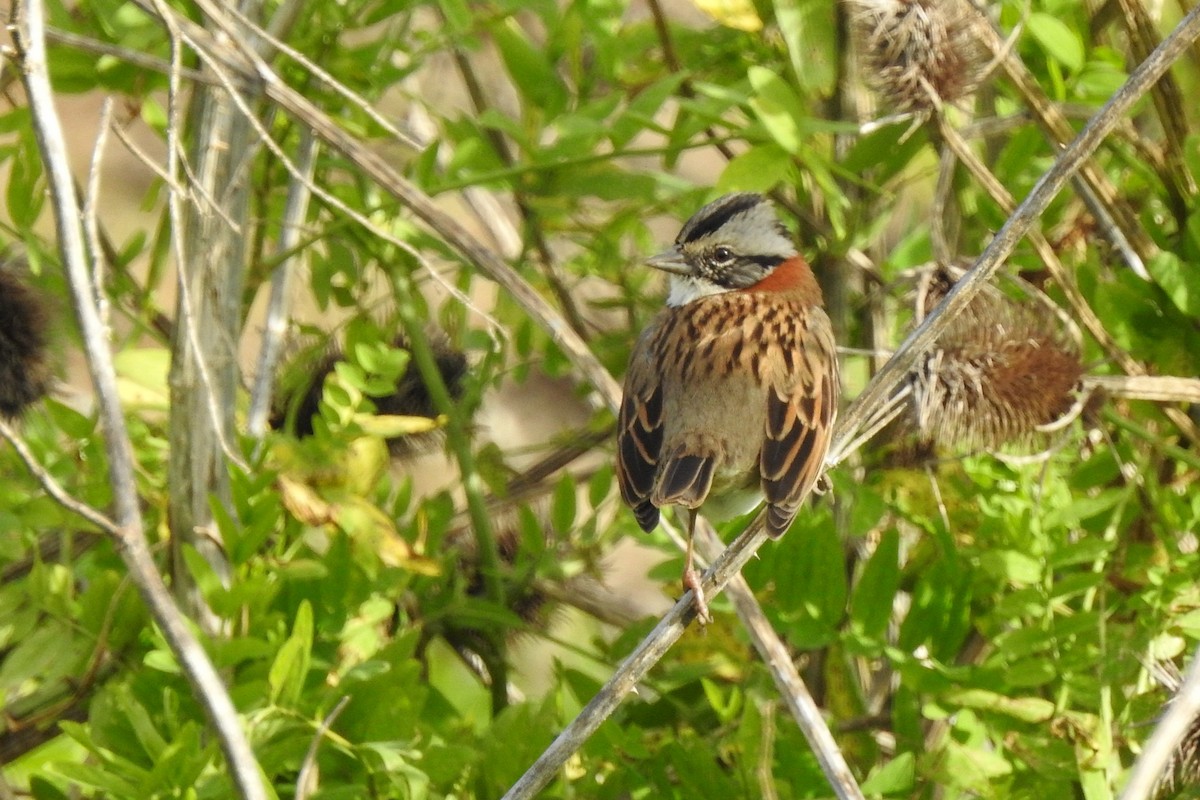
[25, 371]
[999, 373]
[410, 399]
[919, 54]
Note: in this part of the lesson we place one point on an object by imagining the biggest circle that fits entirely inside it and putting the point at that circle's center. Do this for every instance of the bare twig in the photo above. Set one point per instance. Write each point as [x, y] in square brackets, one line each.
[279, 306]
[775, 655]
[634, 668]
[306, 782]
[1059, 131]
[98, 47]
[129, 535]
[1156, 388]
[53, 487]
[91, 224]
[378, 169]
[1066, 281]
[1181, 713]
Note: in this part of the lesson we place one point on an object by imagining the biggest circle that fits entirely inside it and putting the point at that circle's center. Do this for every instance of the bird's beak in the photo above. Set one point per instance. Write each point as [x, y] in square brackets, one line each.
[670, 261]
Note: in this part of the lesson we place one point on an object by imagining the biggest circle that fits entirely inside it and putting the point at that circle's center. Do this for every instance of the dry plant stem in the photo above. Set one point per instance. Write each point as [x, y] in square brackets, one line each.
[1169, 732]
[375, 167]
[1156, 388]
[91, 224]
[1052, 121]
[1023, 218]
[202, 378]
[775, 655]
[279, 306]
[1001, 196]
[1062, 277]
[533, 226]
[88, 45]
[1168, 103]
[306, 780]
[53, 487]
[637, 664]
[128, 535]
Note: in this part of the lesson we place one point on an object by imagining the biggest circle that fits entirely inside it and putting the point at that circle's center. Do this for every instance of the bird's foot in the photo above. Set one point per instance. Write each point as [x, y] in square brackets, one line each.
[691, 580]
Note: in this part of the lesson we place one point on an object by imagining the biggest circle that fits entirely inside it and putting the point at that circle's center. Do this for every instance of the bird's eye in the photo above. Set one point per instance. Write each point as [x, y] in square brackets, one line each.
[722, 255]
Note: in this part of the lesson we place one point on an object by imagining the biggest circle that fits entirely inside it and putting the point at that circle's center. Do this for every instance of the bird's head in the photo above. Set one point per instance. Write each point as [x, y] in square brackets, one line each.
[734, 242]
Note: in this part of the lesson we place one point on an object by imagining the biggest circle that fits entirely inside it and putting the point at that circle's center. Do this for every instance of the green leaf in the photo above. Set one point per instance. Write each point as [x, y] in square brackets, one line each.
[562, 507]
[290, 667]
[25, 195]
[534, 76]
[1012, 566]
[809, 29]
[777, 107]
[1180, 281]
[875, 592]
[97, 778]
[759, 169]
[895, 777]
[1057, 39]
[1084, 508]
[1026, 709]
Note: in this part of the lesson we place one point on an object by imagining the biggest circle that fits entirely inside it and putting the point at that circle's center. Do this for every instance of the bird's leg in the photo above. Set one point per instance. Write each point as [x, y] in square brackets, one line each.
[691, 578]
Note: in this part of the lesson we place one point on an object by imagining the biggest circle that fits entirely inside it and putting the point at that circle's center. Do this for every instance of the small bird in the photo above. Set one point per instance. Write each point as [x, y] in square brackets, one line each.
[732, 389]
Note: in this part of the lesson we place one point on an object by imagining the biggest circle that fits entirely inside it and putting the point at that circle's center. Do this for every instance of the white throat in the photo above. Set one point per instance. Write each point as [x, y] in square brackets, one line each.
[685, 289]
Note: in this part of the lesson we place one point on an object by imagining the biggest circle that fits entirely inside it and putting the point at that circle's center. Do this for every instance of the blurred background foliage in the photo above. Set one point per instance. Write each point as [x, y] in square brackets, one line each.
[975, 623]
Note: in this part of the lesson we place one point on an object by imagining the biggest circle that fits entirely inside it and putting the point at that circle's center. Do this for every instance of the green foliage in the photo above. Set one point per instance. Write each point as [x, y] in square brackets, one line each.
[975, 626]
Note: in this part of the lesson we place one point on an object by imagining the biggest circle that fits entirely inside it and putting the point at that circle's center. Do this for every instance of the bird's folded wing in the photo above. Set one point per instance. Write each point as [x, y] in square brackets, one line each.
[800, 413]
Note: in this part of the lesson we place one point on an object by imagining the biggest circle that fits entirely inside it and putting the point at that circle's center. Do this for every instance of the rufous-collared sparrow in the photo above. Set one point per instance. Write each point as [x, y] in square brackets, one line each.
[732, 389]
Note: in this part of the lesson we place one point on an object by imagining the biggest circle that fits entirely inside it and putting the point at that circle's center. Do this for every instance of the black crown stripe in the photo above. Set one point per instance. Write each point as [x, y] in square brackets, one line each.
[712, 217]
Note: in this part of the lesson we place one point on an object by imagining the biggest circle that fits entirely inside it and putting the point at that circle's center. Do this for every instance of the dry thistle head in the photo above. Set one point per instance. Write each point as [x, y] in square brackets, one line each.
[919, 54]
[24, 365]
[999, 373]
[410, 398]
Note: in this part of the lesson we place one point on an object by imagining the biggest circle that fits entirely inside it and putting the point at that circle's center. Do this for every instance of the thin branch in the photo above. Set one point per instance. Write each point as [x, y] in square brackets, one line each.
[1052, 121]
[1065, 280]
[775, 655]
[129, 534]
[53, 487]
[91, 224]
[635, 667]
[279, 306]
[379, 170]
[1156, 388]
[175, 205]
[306, 781]
[89, 45]
[222, 70]
[1182, 712]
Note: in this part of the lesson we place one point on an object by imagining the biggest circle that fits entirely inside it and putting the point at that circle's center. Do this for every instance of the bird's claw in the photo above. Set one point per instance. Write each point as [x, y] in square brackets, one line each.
[691, 580]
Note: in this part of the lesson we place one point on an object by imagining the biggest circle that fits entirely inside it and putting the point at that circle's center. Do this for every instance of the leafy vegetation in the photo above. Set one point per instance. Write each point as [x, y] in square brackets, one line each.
[975, 624]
